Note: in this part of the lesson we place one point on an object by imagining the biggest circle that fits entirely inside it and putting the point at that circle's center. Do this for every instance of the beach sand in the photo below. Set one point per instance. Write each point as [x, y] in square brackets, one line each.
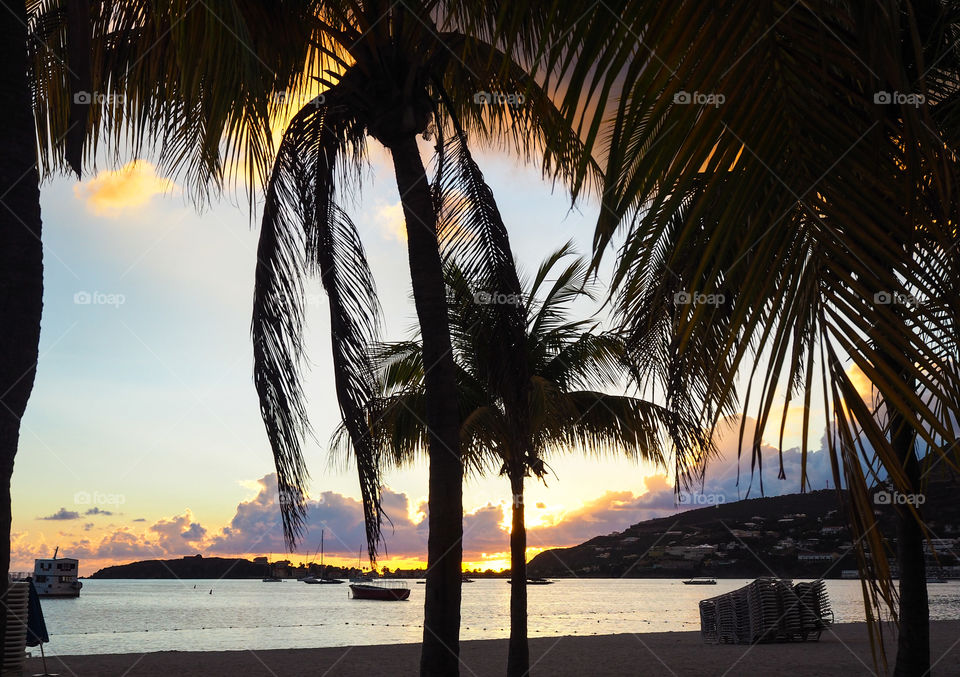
[843, 651]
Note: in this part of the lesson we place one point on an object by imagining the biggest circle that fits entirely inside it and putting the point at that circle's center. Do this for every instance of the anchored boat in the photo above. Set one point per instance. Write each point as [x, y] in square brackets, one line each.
[385, 591]
[57, 577]
[322, 580]
[701, 580]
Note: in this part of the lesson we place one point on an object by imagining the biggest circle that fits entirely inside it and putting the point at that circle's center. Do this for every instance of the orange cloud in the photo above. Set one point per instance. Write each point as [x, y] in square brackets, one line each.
[110, 193]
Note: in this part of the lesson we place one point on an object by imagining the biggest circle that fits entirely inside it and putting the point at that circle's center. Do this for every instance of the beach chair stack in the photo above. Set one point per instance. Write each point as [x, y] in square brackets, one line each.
[766, 610]
[814, 606]
[14, 643]
[708, 621]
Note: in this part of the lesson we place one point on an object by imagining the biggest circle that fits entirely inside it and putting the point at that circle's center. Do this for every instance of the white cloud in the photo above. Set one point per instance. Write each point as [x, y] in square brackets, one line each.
[390, 221]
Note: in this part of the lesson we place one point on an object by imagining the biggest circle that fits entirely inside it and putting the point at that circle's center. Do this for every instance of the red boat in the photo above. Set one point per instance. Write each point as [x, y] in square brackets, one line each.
[386, 591]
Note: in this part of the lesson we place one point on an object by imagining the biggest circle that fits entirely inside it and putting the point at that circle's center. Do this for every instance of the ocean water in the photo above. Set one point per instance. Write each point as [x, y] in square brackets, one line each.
[122, 616]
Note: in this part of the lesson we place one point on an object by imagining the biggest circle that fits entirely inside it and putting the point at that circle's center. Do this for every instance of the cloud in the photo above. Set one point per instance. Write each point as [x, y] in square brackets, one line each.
[97, 511]
[256, 525]
[172, 534]
[390, 221]
[256, 528]
[612, 511]
[62, 514]
[110, 192]
[736, 475]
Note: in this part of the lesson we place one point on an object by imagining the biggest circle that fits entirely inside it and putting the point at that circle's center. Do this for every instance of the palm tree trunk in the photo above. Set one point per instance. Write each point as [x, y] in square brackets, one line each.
[518, 654]
[440, 654]
[913, 642]
[21, 260]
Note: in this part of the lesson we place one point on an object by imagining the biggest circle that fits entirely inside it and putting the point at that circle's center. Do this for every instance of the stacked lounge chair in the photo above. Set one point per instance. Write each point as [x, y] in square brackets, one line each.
[766, 610]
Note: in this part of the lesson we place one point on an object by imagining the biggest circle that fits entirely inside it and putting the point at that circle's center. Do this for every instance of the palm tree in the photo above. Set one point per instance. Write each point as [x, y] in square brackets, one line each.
[391, 72]
[126, 77]
[571, 364]
[202, 85]
[809, 158]
[21, 261]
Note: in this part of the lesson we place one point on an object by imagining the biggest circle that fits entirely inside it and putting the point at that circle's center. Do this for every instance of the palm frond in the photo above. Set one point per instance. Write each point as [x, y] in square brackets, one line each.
[304, 232]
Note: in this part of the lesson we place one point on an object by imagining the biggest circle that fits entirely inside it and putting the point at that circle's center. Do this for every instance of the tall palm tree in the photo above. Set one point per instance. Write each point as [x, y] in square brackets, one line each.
[21, 260]
[810, 158]
[391, 72]
[199, 84]
[571, 365]
[126, 77]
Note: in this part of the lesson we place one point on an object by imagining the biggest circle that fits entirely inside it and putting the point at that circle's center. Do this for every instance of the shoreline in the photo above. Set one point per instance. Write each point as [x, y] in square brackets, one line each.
[842, 651]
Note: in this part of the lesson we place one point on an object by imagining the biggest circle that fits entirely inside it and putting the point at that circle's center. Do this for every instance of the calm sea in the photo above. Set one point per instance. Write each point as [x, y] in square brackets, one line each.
[121, 616]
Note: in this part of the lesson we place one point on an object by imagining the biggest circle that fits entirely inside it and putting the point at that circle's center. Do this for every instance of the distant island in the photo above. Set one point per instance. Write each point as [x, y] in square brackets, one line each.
[197, 566]
[796, 535]
[792, 536]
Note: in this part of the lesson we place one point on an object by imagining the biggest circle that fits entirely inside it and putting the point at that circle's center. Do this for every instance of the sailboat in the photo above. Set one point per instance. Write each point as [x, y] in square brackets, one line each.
[362, 578]
[322, 580]
[270, 578]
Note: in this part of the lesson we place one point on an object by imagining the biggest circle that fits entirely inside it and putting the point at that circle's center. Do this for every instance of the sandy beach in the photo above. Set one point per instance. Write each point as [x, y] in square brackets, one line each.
[842, 651]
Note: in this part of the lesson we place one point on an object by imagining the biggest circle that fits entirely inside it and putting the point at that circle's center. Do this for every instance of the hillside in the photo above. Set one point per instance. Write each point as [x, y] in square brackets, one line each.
[793, 536]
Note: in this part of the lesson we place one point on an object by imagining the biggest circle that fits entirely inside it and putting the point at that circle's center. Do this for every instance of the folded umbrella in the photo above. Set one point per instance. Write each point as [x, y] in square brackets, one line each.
[36, 626]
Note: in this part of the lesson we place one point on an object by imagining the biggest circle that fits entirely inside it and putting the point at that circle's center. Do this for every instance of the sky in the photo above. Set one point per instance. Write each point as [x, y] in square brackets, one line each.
[143, 437]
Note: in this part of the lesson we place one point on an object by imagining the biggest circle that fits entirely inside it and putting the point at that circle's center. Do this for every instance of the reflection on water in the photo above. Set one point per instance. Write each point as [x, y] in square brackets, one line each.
[135, 616]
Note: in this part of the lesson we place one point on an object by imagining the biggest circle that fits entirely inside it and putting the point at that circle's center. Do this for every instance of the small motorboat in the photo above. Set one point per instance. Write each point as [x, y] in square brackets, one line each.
[384, 591]
[272, 579]
[701, 580]
[536, 581]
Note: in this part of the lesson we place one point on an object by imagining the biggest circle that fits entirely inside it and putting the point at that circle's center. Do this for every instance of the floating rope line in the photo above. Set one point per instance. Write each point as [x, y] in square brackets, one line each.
[566, 631]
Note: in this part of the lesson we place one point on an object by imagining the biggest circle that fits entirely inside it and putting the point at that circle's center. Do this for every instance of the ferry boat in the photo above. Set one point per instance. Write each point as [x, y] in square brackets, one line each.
[57, 576]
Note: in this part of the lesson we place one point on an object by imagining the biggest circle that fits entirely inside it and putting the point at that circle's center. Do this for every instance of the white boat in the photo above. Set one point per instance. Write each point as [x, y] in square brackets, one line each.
[57, 576]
